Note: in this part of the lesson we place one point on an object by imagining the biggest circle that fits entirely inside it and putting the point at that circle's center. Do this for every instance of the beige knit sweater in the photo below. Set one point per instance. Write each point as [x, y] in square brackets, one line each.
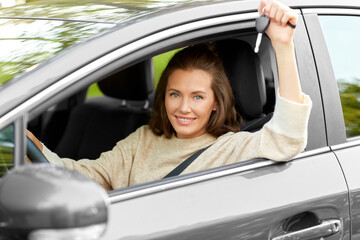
[144, 157]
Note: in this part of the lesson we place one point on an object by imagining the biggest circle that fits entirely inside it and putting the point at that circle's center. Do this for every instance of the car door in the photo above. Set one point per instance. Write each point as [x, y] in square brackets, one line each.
[306, 198]
[256, 199]
[340, 29]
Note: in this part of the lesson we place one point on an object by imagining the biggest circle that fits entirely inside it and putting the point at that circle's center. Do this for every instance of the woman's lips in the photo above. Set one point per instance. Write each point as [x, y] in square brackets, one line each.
[184, 120]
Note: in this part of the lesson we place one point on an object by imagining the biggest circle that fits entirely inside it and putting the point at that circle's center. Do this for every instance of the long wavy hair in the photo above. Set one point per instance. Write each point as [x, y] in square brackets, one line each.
[203, 57]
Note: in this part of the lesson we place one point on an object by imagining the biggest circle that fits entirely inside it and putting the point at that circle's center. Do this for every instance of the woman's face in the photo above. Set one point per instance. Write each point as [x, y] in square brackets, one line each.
[189, 101]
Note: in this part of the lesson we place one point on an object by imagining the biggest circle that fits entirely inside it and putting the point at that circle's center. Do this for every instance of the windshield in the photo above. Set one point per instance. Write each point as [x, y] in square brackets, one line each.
[24, 43]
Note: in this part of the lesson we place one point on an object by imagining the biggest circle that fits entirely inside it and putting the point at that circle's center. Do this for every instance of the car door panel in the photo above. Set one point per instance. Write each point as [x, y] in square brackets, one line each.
[348, 155]
[349, 160]
[251, 204]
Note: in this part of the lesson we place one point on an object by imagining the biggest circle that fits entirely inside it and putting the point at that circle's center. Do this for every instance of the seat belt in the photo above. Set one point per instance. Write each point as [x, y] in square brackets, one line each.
[182, 166]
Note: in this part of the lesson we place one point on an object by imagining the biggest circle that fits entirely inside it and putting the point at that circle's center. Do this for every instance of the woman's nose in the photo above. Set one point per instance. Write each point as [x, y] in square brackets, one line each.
[185, 106]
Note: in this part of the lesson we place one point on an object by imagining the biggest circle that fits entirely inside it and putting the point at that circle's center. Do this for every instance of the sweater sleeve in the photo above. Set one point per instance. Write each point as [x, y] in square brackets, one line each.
[111, 170]
[285, 135]
[282, 138]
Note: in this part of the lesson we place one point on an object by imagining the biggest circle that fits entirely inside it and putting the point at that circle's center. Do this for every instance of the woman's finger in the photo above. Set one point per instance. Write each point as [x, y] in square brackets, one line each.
[289, 16]
[272, 12]
[261, 7]
[279, 16]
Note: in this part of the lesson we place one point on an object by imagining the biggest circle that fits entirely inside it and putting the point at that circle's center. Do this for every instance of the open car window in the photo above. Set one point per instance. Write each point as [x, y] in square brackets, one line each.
[93, 120]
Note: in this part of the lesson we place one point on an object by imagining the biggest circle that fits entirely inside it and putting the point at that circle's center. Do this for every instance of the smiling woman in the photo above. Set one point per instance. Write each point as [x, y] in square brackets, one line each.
[193, 70]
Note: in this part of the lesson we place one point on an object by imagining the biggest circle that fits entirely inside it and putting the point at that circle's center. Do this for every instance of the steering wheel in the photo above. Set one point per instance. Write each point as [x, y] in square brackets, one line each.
[34, 153]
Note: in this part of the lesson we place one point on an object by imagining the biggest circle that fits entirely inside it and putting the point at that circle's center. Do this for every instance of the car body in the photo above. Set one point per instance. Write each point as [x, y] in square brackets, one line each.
[317, 192]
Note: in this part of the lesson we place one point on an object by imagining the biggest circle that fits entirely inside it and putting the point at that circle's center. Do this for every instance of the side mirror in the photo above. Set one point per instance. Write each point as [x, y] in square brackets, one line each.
[44, 201]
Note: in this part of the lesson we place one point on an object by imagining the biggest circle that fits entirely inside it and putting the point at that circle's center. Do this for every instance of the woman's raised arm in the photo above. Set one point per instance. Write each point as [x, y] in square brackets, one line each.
[281, 36]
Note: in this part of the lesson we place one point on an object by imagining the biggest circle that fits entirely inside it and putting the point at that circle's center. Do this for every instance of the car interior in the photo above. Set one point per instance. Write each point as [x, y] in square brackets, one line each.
[84, 127]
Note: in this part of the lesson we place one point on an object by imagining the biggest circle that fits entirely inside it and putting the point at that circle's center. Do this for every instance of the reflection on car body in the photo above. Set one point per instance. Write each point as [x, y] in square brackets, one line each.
[87, 42]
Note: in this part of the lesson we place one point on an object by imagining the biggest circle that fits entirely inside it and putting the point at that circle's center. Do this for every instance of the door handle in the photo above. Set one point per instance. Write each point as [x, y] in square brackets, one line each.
[324, 229]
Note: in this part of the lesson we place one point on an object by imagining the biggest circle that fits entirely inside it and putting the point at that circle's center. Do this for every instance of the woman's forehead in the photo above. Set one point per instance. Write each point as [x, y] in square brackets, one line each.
[193, 79]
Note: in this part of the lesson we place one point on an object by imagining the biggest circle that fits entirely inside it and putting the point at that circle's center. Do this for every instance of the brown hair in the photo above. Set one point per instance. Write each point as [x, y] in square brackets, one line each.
[203, 57]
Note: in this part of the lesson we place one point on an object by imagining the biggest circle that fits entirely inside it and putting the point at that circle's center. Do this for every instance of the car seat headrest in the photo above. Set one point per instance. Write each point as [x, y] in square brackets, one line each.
[244, 71]
[133, 83]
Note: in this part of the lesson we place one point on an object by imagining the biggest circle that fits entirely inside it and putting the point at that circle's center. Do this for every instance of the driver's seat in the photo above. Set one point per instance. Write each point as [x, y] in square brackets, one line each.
[244, 71]
[99, 123]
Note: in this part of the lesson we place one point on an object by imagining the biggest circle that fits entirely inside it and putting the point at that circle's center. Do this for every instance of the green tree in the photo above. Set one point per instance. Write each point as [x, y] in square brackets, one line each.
[350, 101]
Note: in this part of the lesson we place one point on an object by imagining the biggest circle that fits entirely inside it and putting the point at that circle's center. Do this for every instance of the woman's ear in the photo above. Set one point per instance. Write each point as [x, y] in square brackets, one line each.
[215, 106]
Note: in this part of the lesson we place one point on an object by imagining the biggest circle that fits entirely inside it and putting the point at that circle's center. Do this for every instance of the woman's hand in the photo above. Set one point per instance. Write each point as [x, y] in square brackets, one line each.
[281, 35]
[35, 140]
[279, 31]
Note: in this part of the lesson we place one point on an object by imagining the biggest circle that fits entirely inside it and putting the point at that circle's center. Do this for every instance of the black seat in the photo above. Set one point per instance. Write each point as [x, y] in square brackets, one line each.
[98, 124]
[245, 73]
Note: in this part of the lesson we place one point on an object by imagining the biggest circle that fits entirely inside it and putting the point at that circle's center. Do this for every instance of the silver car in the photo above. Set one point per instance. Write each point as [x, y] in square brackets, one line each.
[81, 76]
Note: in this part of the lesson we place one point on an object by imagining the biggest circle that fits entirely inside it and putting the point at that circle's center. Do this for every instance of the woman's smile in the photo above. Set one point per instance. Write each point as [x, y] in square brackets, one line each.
[185, 120]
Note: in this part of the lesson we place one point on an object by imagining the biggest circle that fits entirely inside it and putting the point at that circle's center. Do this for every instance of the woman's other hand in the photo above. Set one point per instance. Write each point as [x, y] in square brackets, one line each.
[34, 139]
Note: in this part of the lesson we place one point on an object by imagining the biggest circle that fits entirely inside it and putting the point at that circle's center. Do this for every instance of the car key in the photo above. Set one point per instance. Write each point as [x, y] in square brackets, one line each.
[261, 24]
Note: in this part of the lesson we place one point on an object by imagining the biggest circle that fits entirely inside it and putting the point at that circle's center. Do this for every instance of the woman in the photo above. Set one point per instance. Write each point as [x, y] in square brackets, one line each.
[194, 109]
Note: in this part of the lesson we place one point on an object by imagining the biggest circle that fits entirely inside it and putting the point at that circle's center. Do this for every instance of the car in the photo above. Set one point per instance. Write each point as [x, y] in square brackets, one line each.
[80, 76]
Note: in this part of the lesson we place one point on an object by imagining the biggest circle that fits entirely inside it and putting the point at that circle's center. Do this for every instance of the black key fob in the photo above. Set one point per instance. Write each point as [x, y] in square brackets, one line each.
[262, 23]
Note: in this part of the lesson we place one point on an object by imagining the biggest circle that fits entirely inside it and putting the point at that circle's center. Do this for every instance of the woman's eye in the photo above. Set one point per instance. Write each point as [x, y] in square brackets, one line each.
[198, 97]
[175, 95]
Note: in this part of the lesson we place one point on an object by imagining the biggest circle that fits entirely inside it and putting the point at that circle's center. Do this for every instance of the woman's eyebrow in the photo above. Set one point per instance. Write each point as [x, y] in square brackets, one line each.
[199, 92]
[194, 92]
[172, 89]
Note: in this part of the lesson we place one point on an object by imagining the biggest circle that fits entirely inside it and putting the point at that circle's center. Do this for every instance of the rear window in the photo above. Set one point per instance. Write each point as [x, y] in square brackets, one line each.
[341, 35]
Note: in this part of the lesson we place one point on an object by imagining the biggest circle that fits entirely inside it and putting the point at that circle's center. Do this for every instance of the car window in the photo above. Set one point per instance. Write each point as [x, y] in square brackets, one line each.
[341, 35]
[6, 149]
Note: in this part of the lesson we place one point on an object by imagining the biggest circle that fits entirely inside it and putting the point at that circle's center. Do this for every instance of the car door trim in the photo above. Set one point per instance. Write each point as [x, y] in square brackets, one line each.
[19, 140]
[193, 178]
[119, 53]
[332, 11]
[351, 143]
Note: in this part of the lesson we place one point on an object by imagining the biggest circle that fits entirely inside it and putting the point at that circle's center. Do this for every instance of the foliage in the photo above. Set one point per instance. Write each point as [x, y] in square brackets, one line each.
[350, 101]
[6, 149]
